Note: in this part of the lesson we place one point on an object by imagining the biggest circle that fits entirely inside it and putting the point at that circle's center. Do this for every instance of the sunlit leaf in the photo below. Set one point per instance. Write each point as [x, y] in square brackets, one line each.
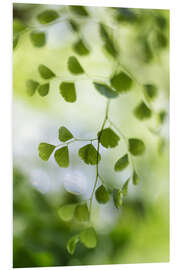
[108, 138]
[161, 41]
[108, 41]
[31, 87]
[66, 212]
[136, 146]
[142, 112]
[126, 15]
[121, 82]
[15, 41]
[43, 89]
[81, 213]
[102, 195]
[161, 21]
[121, 163]
[80, 48]
[118, 198]
[62, 157]
[45, 150]
[79, 10]
[65, 134]
[71, 244]
[125, 187]
[45, 72]
[146, 50]
[103, 32]
[74, 66]
[109, 47]
[135, 178]
[89, 154]
[74, 25]
[105, 90]
[47, 16]
[68, 91]
[88, 238]
[162, 116]
[18, 26]
[150, 91]
[38, 39]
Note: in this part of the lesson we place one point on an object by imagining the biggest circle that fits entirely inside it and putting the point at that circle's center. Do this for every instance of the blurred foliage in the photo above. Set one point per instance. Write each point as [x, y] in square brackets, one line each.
[139, 235]
[124, 53]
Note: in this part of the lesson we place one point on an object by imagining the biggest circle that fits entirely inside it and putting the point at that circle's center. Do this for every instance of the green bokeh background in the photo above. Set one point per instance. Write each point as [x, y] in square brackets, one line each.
[137, 233]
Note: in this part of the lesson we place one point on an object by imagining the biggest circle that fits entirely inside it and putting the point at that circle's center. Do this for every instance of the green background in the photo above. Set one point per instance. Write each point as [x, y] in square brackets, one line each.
[139, 231]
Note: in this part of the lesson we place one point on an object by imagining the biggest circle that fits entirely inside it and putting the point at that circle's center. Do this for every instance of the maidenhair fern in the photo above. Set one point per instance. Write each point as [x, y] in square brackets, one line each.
[120, 82]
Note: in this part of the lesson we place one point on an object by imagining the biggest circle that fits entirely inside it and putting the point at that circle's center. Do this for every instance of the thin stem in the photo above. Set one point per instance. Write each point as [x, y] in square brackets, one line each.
[126, 142]
[76, 140]
[97, 165]
[95, 139]
[87, 77]
[118, 130]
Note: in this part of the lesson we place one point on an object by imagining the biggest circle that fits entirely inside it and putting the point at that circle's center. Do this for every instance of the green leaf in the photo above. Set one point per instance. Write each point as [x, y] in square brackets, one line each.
[18, 26]
[121, 82]
[45, 72]
[161, 21]
[74, 25]
[109, 44]
[15, 41]
[68, 91]
[150, 91]
[108, 138]
[105, 90]
[118, 198]
[126, 15]
[74, 66]
[80, 48]
[65, 134]
[89, 154]
[161, 41]
[88, 238]
[81, 213]
[142, 112]
[125, 187]
[102, 195]
[66, 212]
[47, 16]
[103, 32]
[147, 53]
[43, 89]
[38, 39]
[162, 116]
[135, 178]
[62, 157]
[31, 87]
[45, 150]
[122, 163]
[71, 244]
[109, 47]
[136, 146]
[79, 10]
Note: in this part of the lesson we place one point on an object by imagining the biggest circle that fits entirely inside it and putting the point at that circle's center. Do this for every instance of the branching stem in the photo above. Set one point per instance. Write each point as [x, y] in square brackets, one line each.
[126, 142]
[76, 140]
[97, 164]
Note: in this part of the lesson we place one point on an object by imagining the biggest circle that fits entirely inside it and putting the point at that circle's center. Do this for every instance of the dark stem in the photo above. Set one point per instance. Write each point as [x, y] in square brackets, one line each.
[98, 147]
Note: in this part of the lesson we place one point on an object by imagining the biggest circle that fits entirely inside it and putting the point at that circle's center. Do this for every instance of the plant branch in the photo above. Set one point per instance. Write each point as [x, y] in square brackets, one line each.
[126, 142]
[97, 165]
[76, 140]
